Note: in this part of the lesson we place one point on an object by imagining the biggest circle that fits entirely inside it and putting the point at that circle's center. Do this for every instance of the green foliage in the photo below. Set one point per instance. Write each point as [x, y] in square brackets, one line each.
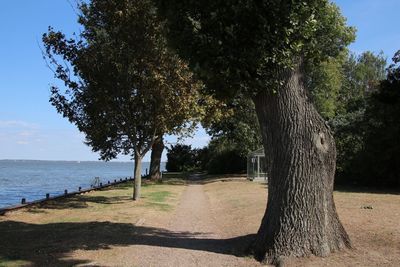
[379, 161]
[240, 46]
[234, 135]
[180, 158]
[339, 85]
[235, 132]
[361, 77]
[240, 49]
[123, 84]
[221, 156]
[325, 81]
[227, 162]
[239, 125]
[349, 93]
[348, 131]
[366, 123]
[225, 156]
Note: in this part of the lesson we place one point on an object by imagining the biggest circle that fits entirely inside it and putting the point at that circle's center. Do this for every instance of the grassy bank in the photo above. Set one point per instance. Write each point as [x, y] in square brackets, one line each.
[44, 234]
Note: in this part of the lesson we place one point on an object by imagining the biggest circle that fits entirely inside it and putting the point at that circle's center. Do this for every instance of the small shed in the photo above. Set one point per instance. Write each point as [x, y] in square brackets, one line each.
[256, 166]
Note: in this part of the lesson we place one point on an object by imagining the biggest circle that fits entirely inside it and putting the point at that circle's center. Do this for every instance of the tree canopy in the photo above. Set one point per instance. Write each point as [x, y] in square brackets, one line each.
[124, 86]
[361, 76]
[376, 161]
[239, 46]
[381, 150]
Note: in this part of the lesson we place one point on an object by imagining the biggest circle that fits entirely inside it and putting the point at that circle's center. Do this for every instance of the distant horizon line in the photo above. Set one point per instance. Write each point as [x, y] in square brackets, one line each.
[56, 160]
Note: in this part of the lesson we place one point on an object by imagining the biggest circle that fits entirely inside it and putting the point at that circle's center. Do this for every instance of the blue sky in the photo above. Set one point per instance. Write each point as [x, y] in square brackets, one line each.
[30, 128]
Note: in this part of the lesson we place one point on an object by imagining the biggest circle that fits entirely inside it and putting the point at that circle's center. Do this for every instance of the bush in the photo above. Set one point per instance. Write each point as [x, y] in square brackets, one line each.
[226, 162]
[180, 158]
[216, 158]
[368, 146]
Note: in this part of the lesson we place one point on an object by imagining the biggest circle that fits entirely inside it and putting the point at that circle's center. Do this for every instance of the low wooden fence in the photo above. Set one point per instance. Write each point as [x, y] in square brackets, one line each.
[25, 203]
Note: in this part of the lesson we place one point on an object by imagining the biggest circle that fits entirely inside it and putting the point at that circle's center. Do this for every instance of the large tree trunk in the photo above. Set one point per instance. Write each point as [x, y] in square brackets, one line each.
[301, 217]
[138, 177]
[155, 161]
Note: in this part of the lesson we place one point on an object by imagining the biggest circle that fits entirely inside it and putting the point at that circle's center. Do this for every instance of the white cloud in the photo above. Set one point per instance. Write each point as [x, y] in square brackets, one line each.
[26, 133]
[22, 142]
[17, 124]
[17, 132]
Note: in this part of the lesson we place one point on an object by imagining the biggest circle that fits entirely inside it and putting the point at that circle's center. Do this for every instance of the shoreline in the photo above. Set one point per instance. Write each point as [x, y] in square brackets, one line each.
[66, 194]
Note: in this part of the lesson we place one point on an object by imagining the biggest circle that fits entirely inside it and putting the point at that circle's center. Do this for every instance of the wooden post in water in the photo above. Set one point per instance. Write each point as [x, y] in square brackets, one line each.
[23, 201]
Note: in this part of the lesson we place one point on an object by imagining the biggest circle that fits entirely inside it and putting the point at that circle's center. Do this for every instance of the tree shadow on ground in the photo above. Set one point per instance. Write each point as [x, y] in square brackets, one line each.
[77, 202]
[365, 189]
[51, 244]
[82, 201]
[122, 186]
[204, 178]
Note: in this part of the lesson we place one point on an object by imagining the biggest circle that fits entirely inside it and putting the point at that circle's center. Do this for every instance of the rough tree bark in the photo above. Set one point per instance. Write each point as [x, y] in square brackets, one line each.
[301, 217]
[155, 161]
[138, 176]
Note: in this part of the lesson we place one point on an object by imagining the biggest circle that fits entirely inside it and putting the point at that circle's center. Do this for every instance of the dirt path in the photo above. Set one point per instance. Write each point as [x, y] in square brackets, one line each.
[183, 225]
[193, 237]
[193, 214]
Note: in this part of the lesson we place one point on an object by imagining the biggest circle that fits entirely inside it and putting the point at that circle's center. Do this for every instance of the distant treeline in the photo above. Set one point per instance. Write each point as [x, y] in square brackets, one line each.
[358, 96]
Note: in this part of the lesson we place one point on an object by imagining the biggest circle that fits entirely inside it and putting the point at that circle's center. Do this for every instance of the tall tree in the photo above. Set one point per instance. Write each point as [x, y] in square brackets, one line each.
[379, 158]
[181, 158]
[259, 48]
[155, 158]
[207, 109]
[123, 85]
[361, 76]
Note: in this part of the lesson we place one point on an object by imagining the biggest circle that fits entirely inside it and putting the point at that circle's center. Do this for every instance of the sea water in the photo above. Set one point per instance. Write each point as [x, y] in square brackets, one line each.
[31, 179]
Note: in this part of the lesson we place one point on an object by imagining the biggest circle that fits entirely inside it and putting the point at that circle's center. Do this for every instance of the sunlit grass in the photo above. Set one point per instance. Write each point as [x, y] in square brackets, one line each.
[12, 263]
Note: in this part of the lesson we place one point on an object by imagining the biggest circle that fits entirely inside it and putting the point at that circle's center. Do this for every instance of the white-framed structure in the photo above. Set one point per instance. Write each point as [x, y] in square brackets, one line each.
[256, 166]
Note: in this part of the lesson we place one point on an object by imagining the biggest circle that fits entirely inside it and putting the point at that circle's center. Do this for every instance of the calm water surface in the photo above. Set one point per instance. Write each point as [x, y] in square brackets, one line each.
[33, 179]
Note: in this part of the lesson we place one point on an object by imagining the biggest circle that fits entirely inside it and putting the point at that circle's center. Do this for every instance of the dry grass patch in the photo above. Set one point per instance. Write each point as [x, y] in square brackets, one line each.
[237, 206]
[48, 234]
[371, 219]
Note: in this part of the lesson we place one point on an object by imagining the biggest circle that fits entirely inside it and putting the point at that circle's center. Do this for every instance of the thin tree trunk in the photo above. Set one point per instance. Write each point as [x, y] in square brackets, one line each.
[138, 177]
[301, 217]
[155, 161]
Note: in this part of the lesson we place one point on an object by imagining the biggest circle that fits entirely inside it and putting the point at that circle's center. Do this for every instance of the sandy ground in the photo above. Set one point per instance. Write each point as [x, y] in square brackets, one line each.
[189, 238]
[183, 225]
